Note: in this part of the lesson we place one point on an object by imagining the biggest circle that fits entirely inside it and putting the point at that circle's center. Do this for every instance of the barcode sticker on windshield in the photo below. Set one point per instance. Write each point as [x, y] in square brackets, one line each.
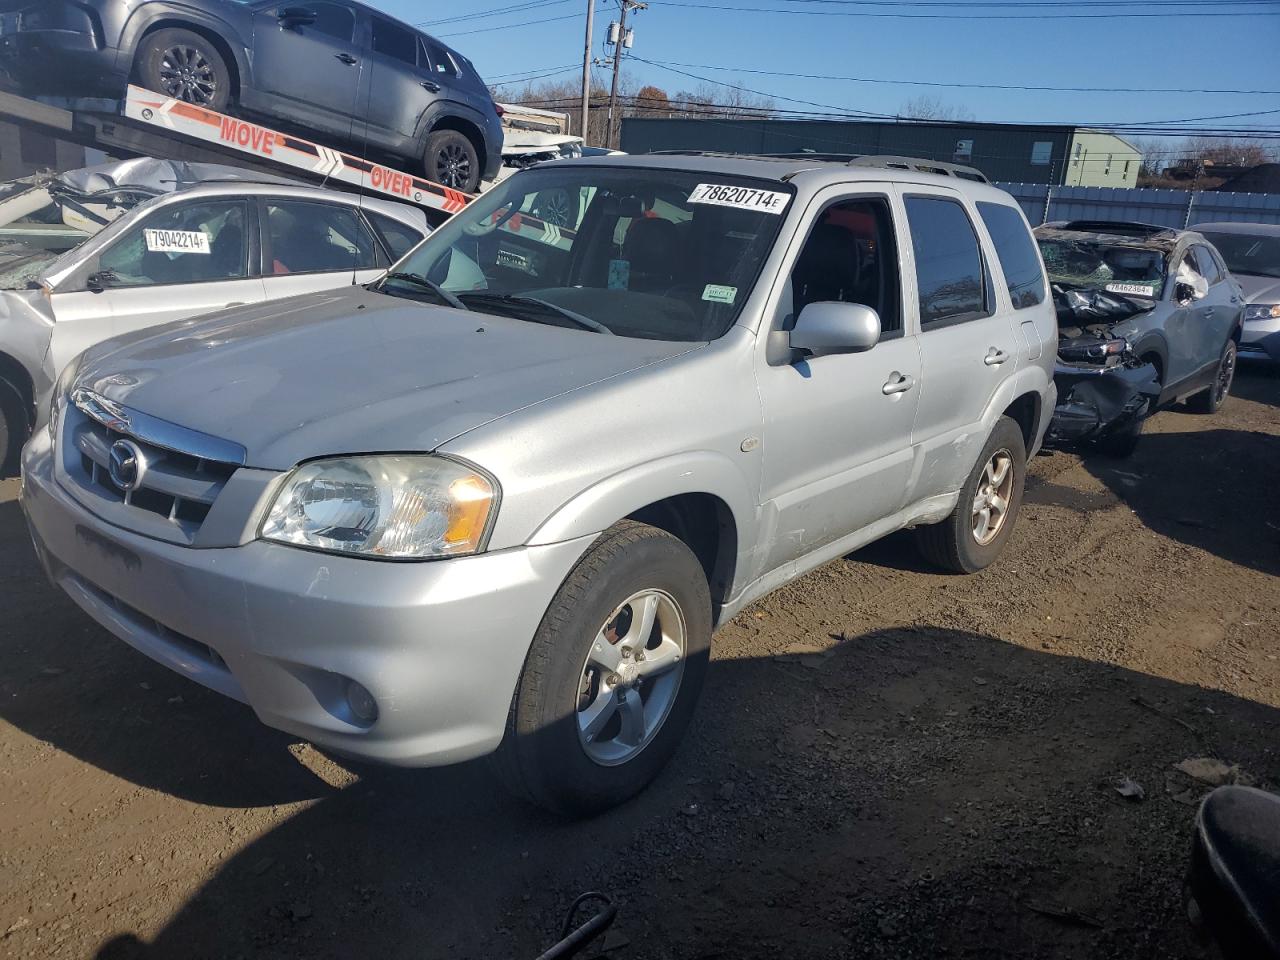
[177, 241]
[1133, 289]
[742, 198]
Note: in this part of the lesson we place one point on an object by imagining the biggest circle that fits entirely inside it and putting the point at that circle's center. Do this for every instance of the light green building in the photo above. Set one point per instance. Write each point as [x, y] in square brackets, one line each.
[1097, 159]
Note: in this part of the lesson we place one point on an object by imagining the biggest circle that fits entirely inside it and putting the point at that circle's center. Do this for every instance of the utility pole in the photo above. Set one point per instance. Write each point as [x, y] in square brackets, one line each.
[622, 40]
[586, 71]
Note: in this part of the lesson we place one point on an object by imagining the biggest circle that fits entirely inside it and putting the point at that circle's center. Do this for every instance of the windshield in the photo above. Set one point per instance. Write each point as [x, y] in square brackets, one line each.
[1098, 265]
[40, 222]
[1243, 253]
[654, 254]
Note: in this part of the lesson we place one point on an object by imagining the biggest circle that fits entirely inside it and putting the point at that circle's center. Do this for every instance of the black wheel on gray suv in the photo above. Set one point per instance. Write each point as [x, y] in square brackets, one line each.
[612, 677]
[982, 522]
[451, 160]
[1212, 399]
[184, 65]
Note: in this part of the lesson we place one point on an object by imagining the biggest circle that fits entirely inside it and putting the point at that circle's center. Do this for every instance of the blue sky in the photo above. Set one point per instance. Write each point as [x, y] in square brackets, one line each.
[1187, 46]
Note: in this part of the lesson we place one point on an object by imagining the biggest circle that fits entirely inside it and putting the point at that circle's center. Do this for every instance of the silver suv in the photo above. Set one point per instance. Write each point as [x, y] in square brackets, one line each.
[500, 498]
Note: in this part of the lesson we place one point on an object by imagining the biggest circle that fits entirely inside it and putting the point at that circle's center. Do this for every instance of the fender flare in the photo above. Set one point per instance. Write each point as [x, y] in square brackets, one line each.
[607, 501]
[1029, 379]
[446, 109]
[143, 19]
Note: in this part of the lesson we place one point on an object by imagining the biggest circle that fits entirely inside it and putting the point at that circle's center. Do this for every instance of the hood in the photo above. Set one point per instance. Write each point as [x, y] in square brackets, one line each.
[1258, 289]
[352, 371]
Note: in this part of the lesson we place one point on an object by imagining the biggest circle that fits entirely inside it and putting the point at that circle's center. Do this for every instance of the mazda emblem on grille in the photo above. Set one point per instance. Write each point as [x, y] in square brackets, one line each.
[128, 465]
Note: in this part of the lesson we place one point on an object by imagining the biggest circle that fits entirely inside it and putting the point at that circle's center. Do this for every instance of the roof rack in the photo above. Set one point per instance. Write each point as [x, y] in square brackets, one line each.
[1127, 228]
[920, 165]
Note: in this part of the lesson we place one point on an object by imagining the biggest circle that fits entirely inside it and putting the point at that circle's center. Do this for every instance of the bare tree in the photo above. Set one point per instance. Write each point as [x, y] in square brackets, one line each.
[928, 107]
[717, 101]
[1230, 152]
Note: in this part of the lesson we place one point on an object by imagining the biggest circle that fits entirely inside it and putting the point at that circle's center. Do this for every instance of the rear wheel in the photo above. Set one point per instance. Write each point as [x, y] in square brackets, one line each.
[612, 676]
[982, 522]
[451, 160]
[184, 65]
[1212, 399]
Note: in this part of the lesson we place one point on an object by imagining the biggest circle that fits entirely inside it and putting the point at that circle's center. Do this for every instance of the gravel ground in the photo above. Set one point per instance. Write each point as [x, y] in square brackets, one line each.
[886, 762]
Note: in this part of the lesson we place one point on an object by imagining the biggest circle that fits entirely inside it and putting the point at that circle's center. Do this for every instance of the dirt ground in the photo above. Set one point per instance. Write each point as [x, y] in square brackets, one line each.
[886, 762]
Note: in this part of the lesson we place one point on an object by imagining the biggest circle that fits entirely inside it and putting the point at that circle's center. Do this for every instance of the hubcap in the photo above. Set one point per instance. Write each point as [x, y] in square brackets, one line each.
[1226, 373]
[453, 166]
[186, 75]
[631, 677]
[991, 502]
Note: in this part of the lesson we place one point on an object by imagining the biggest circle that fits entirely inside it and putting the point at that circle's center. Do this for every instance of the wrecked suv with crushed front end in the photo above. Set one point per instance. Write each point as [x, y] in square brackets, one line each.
[1147, 316]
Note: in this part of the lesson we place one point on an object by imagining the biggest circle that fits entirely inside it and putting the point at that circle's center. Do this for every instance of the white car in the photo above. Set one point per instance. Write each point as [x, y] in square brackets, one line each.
[199, 248]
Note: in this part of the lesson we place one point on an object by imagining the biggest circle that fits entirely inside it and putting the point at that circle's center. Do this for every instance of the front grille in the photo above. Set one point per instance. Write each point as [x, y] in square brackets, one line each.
[169, 490]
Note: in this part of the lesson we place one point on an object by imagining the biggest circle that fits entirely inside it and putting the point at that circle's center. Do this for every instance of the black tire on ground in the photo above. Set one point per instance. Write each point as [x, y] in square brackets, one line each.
[186, 66]
[1211, 399]
[952, 544]
[542, 757]
[450, 159]
[1122, 443]
[14, 427]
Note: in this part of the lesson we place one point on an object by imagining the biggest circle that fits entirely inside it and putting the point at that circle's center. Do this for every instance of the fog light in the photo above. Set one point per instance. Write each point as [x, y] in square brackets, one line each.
[363, 707]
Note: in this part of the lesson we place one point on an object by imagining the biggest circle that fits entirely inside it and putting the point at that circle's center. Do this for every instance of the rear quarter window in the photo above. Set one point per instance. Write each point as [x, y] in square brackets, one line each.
[1016, 252]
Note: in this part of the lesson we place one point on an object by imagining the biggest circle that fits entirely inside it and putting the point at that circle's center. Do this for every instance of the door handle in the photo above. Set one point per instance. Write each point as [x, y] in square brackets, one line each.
[346, 58]
[995, 356]
[430, 85]
[897, 383]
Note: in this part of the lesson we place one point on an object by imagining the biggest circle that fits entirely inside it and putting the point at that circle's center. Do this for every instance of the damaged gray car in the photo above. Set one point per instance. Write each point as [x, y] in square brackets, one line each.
[1147, 316]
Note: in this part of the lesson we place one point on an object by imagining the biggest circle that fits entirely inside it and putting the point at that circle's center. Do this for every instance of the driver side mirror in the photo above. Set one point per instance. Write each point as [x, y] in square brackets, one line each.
[835, 327]
[295, 17]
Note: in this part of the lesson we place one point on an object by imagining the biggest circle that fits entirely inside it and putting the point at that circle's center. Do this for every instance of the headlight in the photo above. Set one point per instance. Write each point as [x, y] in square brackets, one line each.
[1096, 351]
[384, 506]
[1262, 311]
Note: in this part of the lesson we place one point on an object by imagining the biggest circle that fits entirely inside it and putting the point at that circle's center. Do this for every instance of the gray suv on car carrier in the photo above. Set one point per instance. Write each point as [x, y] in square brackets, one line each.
[500, 498]
[335, 69]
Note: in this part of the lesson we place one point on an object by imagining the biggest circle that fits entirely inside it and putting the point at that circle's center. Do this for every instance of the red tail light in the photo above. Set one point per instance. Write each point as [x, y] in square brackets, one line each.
[497, 108]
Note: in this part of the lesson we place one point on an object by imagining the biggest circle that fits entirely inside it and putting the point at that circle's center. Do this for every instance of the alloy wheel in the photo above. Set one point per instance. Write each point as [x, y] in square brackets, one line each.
[1226, 373]
[991, 502]
[453, 166]
[631, 677]
[185, 74]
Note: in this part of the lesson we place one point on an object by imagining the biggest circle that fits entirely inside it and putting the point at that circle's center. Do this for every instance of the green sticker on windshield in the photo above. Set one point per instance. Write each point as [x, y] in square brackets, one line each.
[717, 293]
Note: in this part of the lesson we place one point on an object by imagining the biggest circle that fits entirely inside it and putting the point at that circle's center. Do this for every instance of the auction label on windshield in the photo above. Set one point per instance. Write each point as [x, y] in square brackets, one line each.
[742, 198]
[177, 241]
[1133, 289]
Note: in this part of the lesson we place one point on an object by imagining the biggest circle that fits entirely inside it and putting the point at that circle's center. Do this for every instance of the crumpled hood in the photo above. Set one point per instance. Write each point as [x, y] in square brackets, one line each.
[1259, 289]
[351, 371]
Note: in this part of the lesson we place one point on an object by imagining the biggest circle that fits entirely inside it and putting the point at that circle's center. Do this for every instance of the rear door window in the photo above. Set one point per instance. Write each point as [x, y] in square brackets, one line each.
[186, 243]
[1017, 253]
[949, 274]
[304, 236]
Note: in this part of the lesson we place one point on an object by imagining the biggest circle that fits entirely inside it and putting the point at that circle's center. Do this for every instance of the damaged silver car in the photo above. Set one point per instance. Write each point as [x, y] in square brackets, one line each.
[1147, 316]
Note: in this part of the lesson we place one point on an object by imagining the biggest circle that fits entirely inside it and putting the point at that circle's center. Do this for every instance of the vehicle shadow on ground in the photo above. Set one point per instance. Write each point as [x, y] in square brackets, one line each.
[66, 681]
[1232, 516]
[1257, 381]
[919, 792]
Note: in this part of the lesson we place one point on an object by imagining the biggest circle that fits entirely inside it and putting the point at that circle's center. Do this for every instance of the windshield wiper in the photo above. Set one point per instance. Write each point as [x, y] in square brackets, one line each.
[515, 300]
[420, 281]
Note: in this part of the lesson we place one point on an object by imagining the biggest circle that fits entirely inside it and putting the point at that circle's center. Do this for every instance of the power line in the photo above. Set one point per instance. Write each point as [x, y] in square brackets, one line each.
[1192, 12]
[968, 86]
[510, 26]
[493, 12]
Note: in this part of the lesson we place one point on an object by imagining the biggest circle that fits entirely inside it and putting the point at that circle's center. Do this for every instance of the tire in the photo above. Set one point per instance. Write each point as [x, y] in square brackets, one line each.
[953, 544]
[450, 159]
[186, 66]
[557, 207]
[545, 756]
[1211, 400]
[15, 427]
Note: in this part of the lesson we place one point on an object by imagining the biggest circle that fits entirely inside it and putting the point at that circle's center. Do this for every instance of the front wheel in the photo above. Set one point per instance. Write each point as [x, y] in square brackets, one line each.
[613, 674]
[14, 427]
[184, 65]
[972, 537]
[1211, 400]
[451, 160]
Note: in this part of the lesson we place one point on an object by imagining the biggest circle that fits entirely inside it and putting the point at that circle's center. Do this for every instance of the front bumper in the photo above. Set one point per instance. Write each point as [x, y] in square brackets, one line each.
[1260, 339]
[440, 645]
[1095, 401]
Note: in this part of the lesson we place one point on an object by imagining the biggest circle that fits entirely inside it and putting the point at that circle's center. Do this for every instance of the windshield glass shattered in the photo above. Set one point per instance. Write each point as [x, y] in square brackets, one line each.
[1115, 268]
[1259, 256]
[628, 251]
